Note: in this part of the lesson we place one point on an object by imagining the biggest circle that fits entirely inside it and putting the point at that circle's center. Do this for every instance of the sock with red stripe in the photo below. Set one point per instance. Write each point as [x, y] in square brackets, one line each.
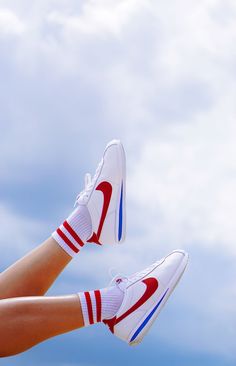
[74, 231]
[100, 304]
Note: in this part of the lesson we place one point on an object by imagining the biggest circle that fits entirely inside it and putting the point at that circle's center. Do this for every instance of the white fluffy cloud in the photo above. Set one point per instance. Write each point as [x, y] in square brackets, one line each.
[18, 234]
[185, 180]
[10, 24]
[162, 74]
[98, 19]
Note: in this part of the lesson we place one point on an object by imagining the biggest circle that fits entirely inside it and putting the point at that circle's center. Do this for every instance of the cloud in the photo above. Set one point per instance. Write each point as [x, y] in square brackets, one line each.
[185, 179]
[160, 77]
[10, 24]
[98, 19]
[18, 234]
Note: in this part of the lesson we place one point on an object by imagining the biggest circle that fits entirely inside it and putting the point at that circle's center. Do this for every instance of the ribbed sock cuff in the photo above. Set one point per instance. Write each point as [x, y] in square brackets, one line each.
[101, 304]
[75, 230]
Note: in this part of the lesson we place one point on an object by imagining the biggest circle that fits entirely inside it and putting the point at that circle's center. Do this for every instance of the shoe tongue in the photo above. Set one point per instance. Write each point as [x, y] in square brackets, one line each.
[83, 197]
[87, 180]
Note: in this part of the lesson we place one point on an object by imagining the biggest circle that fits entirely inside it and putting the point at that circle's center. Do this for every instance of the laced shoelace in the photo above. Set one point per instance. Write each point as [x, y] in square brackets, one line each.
[88, 185]
[117, 279]
[138, 275]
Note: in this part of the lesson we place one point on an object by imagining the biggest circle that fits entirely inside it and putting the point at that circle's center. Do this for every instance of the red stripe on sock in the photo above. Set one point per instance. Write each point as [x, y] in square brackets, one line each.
[67, 241]
[89, 306]
[73, 233]
[99, 305]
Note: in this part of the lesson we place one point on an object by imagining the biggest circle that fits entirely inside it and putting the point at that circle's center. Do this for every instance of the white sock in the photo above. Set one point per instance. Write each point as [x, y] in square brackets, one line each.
[74, 231]
[100, 304]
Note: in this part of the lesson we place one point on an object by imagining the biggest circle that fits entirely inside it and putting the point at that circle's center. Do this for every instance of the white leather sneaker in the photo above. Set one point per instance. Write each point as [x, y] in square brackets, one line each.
[145, 294]
[104, 196]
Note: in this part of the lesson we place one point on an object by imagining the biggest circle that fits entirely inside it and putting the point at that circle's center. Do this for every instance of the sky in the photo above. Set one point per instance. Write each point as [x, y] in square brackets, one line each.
[161, 77]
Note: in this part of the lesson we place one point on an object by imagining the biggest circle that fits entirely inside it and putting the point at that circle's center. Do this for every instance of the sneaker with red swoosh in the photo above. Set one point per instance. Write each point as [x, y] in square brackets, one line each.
[145, 294]
[104, 196]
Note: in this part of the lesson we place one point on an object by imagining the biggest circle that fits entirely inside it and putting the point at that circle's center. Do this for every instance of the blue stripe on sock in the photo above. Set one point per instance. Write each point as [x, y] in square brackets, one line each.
[148, 318]
[120, 214]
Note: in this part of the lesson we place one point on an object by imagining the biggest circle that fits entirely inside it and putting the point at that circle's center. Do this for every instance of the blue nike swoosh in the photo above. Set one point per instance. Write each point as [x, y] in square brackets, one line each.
[148, 318]
[120, 214]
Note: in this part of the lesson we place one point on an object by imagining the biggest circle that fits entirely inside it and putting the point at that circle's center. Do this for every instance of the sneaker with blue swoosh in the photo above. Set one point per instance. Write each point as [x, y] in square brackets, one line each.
[145, 294]
[104, 196]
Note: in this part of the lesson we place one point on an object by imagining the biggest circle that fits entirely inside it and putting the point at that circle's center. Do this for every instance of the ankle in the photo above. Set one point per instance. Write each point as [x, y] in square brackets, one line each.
[75, 230]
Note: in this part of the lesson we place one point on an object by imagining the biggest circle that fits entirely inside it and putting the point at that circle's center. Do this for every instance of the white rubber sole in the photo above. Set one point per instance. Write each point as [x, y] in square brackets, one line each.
[166, 294]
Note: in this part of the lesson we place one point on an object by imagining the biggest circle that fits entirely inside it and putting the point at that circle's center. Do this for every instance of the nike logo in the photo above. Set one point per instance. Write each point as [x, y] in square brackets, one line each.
[106, 189]
[142, 326]
[120, 214]
[151, 287]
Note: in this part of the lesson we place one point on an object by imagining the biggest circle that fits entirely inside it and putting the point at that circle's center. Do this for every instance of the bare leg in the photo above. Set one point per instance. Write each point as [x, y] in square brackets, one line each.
[34, 274]
[28, 321]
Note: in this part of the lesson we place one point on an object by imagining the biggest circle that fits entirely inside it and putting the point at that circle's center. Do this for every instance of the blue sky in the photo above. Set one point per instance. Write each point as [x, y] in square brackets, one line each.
[161, 77]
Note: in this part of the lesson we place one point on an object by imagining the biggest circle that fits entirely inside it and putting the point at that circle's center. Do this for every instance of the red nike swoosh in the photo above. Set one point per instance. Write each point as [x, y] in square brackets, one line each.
[152, 286]
[106, 189]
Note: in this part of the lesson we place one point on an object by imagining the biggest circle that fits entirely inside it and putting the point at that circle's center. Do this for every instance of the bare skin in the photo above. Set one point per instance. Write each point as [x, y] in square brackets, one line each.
[34, 274]
[27, 321]
[26, 317]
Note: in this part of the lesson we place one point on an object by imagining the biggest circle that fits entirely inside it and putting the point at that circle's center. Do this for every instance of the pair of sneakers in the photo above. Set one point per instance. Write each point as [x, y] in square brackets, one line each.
[145, 292]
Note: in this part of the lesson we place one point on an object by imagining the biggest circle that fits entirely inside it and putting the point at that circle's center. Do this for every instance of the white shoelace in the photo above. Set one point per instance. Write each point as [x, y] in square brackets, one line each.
[119, 278]
[88, 185]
